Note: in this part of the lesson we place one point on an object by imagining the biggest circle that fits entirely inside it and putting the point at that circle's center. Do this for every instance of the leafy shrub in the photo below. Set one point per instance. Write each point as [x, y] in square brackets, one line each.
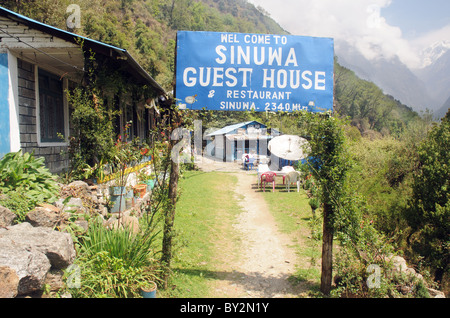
[93, 136]
[106, 276]
[133, 249]
[314, 203]
[18, 202]
[114, 262]
[24, 171]
[428, 210]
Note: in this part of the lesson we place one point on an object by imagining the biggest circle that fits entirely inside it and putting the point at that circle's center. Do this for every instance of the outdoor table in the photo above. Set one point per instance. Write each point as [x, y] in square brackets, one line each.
[265, 168]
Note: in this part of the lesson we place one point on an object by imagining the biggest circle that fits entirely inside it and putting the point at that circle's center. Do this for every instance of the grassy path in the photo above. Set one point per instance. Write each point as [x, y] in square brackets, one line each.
[236, 241]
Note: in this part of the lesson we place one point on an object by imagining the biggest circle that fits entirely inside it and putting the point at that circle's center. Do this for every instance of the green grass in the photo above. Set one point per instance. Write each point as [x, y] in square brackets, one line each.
[205, 212]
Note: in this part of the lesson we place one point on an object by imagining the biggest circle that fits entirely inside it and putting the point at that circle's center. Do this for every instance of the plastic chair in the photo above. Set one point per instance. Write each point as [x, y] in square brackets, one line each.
[261, 169]
[291, 177]
[286, 169]
[268, 177]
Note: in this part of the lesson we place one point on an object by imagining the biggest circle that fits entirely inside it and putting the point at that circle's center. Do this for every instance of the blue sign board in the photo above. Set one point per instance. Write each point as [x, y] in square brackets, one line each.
[261, 72]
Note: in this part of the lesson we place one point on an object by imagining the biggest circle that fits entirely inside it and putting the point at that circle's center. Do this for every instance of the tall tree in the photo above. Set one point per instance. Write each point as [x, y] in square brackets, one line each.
[329, 165]
[428, 213]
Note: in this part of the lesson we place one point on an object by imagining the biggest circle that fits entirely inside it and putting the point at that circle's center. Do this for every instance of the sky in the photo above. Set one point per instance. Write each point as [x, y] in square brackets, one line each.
[377, 28]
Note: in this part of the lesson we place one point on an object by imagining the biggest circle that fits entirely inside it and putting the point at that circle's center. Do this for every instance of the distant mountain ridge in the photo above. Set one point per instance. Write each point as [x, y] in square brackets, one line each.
[436, 77]
[444, 109]
[421, 89]
[434, 52]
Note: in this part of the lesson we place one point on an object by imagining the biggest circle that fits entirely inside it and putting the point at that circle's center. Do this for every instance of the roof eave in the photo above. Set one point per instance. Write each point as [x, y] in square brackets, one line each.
[97, 46]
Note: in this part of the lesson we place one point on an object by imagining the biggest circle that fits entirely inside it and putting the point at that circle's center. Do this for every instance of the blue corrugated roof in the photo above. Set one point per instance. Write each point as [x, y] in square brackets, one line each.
[228, 129]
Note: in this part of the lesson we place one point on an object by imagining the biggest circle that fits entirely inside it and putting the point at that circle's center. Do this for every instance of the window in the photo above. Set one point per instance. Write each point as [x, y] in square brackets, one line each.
[51, 108]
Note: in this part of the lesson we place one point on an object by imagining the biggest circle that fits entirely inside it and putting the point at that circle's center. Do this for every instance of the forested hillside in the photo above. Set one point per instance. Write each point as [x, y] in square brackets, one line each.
[147, 28]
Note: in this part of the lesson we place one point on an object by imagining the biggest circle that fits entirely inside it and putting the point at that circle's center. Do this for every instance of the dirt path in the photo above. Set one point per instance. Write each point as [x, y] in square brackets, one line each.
[265, 261]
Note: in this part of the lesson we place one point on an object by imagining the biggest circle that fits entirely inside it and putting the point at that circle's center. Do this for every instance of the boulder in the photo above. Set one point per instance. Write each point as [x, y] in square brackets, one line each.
[6, 217]
[78, 186]
[54, 279]
[45, 215]
[29, 264]
[126, 221]
[131, 222]
[56, 246]
[30, 252]
[9, 282]
[435, 293]
[399, 264]
[74, 205]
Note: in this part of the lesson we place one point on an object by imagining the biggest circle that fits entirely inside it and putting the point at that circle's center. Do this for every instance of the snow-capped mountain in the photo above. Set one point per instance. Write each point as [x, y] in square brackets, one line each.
[431, 54]
[436, 75]
[421, 89]
[392, 76]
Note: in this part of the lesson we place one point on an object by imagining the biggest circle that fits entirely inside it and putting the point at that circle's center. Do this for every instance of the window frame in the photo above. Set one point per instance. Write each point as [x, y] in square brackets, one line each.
[65, 85]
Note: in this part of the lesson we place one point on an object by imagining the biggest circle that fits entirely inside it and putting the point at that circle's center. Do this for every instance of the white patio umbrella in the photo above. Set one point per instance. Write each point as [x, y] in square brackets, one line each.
[289, 147]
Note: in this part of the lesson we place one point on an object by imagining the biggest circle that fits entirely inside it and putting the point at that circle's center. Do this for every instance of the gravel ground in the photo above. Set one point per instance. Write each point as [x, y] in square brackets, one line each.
[265, 262]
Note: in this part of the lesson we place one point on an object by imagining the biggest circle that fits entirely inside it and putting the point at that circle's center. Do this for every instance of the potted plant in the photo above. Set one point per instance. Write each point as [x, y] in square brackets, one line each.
[140, 189]
[124, 155]
[147, 179]
[148, 289]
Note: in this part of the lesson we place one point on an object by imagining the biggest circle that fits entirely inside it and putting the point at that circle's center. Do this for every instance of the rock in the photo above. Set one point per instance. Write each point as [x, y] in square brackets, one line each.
[30, 265]
[80, 185]
[31, 252]
[74, 205]
[130, 222]
[50, 207]
[399, 263]
[82, 224]
[435, 293]
[54, 279]
[410, 271]
[9, 282]
[6, 217]
[46, 216]
[57, 246]
[75, 189]
[103, 210]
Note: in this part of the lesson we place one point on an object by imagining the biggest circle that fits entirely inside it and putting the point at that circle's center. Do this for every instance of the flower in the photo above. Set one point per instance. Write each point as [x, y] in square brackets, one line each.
[144, 151]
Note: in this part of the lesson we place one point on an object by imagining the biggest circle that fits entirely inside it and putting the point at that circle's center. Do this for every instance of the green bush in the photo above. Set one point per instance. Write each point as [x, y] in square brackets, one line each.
[428, 210]
[93, 137]
[18, 202]
[314, 203]
[18, 170]
[106, 276]
[114, 262]
[135, 250]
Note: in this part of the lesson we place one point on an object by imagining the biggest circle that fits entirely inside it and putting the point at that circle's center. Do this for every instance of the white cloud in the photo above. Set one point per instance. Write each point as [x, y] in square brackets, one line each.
[358, 22]
[432, 37]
